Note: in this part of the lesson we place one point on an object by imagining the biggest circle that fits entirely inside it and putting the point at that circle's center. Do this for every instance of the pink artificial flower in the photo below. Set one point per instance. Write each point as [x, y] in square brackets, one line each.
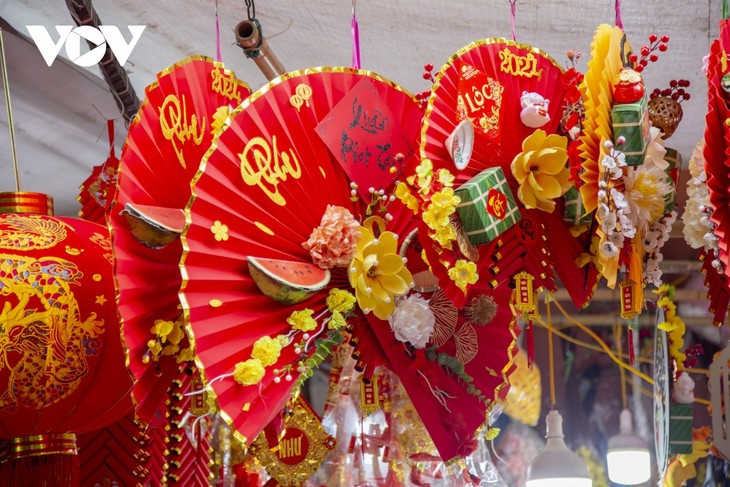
[333, 242]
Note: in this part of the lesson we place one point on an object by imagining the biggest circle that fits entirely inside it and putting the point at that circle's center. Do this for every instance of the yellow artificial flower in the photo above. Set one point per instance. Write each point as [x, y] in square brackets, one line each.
[337, 321]
[444, 236]
[445, 199]
[340, 301]
[378, 273]
[185, 355]
[267, 350]
[436, 216]
[154, 347]
[176, 334]
[540, 170]
[162, 328]
[424, 174]
[463, 273]
[170, 349]
[445, 177]
[249, 372]
[404, 194]
[302, 320]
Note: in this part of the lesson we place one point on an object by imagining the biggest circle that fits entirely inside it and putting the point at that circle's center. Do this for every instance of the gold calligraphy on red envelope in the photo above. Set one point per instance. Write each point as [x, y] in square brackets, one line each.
[480, 101]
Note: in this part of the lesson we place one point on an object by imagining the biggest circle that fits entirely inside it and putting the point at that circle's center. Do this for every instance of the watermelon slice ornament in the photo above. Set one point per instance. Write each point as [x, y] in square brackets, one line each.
[287, 282]
[251, 230]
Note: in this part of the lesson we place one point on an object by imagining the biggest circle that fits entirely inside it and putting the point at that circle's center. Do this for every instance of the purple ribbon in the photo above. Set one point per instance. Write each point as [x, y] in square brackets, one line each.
[617, 7]
[355, 40]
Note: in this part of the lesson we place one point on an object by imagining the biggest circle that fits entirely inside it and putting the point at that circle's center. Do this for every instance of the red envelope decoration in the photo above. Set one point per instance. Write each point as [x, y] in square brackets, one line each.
[364, 136]
[479, 100]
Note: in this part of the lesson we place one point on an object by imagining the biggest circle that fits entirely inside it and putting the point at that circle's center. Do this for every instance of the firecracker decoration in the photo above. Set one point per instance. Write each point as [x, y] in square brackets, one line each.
[188, 457]
[114, 455]
[292, 458]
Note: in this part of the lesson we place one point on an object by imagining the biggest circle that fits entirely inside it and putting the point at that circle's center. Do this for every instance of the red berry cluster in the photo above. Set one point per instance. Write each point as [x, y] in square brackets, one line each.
[676, 91]
[648, 52]
[693, 355]
[422, 96]
[427, 73]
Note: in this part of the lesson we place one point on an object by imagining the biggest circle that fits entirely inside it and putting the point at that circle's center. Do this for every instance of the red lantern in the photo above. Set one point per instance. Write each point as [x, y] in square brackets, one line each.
[63, 368]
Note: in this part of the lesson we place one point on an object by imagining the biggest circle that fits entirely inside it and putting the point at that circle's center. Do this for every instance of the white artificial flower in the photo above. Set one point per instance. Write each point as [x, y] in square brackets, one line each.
[656, 151]
[696, 222]
[413, 321]
[608, 162]
[602, 211]
[608, 249]
[627, 227]
[608, 224]
[620, 158]
[644, 191]
[619, 201]
[617, 238]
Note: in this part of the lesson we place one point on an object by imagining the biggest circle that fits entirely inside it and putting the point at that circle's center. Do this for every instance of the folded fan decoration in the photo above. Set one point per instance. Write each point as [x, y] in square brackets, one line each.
[169, 135]
[492, 82]
[283, 184]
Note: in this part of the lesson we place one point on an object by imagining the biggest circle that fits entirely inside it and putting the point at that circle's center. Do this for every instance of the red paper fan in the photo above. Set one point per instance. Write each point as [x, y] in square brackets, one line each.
[717, 145]
[174, 128]
[517, 69]
[263, 189]
[232, 217]
[98, 190]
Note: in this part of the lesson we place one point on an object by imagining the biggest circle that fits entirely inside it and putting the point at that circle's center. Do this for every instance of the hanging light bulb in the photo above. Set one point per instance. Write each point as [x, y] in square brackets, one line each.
[556, 465]
[629, 462]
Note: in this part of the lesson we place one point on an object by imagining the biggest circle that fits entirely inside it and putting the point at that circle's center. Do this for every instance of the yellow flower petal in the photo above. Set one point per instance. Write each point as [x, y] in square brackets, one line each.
[534, 142]
[550, 186]
[390, 264]
[527, 196]
[394, 284]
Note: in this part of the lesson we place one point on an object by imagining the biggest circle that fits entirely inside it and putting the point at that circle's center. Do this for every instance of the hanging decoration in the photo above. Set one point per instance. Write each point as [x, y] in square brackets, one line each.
[359, 232]
[182, 110]
[707, 195]
[501, 88]
[63, 370]
[292, 458]
[98, 190]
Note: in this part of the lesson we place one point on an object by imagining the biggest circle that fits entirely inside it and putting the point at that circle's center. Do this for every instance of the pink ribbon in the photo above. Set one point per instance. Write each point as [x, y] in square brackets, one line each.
[513, 12]
[355, 39]
[617, 7]
[218, 56]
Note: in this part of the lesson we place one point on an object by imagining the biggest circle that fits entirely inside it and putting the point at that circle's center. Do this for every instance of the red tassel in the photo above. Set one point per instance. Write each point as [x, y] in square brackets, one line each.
[631, 346]
[530, 343]
[56, 470]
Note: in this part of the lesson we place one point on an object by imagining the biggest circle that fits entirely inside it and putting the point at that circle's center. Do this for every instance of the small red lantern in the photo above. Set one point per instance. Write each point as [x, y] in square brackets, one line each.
[63, 368]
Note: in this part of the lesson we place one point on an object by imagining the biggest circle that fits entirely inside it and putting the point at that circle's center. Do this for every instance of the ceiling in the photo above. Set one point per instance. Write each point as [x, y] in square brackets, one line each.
[60, 112]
